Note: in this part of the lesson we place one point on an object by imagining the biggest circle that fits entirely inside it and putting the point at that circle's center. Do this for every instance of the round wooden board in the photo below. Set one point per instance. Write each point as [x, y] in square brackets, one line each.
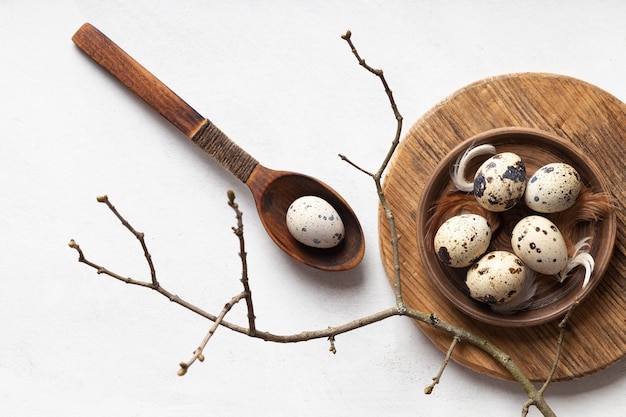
[590, 118]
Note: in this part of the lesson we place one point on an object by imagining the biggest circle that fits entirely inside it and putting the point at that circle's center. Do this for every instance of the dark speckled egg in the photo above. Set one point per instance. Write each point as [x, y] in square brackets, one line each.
[500, 182]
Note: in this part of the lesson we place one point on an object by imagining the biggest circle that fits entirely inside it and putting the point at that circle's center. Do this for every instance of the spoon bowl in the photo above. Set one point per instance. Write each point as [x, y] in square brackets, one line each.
[273, 191]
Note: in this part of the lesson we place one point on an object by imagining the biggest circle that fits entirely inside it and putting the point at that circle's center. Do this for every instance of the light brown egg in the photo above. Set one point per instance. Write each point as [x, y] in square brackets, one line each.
[499, 277]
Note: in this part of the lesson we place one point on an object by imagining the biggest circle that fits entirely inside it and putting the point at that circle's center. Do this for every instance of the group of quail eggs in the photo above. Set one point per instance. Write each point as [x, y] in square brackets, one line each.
[501, 278]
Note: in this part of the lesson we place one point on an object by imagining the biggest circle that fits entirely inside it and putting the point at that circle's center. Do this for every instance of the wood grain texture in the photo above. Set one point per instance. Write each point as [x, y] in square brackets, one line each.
[138, 79]
[576, 111]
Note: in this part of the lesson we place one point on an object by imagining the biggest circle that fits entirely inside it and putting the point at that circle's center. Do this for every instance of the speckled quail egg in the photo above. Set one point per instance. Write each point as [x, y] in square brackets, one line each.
[497, 278]
[540, 244]
[462, 239]
[500, 182]
[553, 188]
[312, 221]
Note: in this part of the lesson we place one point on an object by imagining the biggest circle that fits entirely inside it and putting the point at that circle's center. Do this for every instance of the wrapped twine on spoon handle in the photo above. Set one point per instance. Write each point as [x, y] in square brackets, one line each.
[232, 157]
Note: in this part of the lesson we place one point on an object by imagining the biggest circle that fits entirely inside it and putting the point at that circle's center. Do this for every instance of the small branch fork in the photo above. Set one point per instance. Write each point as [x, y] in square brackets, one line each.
[459, 335]
[155, 285]
[377, 176]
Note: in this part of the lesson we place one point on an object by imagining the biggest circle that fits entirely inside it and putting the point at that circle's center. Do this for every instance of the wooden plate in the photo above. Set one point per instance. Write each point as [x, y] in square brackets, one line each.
[552, 298]
[573, 110]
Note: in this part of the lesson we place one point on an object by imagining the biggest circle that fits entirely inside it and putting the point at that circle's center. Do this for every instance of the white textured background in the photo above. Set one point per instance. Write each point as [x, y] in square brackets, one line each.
[275, 76]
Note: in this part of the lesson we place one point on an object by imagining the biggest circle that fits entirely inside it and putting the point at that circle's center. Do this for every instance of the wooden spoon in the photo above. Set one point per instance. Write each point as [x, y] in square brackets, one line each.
[273, 191]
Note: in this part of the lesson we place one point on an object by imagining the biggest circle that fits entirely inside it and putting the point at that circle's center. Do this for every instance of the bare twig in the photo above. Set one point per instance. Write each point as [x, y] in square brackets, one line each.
[238, 230]
[377, 176]
[105, 199]
[557, 357]
[446, 360]
[102, 270]
[198, 353]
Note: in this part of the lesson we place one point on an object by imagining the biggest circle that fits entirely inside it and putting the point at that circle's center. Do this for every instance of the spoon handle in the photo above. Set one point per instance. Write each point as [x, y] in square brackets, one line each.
[161, 98]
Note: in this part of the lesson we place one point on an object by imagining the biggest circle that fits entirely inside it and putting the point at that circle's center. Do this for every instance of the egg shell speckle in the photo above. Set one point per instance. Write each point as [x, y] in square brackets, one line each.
[540, 244]
[553, 188]
[497, 278]
[462, 239]
[312, 221]
[500, 182]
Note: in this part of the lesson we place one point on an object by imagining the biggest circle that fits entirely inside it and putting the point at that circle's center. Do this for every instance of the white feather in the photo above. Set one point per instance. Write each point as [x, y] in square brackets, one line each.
[457, 173]
[582, 258]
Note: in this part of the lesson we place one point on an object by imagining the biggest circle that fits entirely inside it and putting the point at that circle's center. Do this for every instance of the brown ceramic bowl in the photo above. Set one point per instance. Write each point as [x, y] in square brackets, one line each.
[552, 299]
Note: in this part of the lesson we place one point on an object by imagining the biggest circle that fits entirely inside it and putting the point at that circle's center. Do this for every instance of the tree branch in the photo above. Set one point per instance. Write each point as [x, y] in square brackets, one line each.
[329, 333]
